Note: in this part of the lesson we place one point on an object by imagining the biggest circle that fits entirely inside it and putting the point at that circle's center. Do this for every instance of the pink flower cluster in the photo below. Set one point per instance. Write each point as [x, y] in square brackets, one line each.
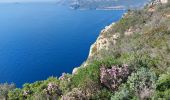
[114, 76]
[52, 88]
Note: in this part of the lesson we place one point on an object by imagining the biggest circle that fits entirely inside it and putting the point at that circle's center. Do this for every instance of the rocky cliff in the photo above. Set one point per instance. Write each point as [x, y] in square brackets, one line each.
[130, 60]
[104, 42]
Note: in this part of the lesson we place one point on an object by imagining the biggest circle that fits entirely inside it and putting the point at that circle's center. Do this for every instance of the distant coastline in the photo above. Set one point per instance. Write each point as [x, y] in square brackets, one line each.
[104, 8]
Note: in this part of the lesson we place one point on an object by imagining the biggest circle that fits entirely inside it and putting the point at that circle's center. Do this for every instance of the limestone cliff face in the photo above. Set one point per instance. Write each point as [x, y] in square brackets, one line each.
[164, 1]
[103, 42]
[155, 2]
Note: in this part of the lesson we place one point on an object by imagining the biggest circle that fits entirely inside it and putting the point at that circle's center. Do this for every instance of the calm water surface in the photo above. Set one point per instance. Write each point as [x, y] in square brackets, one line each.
[42, 40]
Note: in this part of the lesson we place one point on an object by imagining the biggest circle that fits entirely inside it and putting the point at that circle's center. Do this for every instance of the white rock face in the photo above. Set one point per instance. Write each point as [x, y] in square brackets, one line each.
[74, 70]
[154, 3]
[129, 32]
[167, 15]
[161, 1]
[103, 42]
[164, 1]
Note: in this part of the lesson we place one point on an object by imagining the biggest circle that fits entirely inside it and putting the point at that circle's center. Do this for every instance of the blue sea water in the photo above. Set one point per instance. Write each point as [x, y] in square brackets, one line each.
[39, 40]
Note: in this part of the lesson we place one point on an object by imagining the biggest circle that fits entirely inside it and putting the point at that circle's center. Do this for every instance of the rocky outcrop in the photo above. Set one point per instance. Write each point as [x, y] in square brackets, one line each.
[164, 1]
[103, 41]
[153, 4]
[167, 15]
[74, 70]
[130, 31]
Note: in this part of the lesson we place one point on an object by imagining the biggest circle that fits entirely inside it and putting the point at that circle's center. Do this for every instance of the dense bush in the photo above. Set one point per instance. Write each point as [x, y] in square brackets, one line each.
[143, 83]
[140, 85]
[90, 72]
[16, 94]
[46, 89]
[163, 87]
[4, 89]
[114, 77]
[123, 93]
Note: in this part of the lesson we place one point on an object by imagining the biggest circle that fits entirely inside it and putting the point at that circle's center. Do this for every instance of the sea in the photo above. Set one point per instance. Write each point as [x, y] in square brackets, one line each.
[39, 40]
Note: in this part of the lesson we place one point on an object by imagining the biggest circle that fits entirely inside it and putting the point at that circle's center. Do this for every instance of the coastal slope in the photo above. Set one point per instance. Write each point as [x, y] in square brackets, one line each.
[129, 60]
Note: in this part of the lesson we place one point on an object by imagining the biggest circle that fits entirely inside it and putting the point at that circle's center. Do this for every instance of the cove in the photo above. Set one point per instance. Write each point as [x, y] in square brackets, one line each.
[39, 40]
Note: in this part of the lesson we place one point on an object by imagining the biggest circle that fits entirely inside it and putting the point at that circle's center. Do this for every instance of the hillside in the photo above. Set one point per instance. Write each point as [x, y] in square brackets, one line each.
[130, 60]
[104, 4]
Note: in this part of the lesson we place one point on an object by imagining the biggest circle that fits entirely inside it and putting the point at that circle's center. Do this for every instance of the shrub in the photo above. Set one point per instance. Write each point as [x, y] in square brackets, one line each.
[91, 72]
[48, 89]
[114, 77]
[142, 83]
[4, 89]
[163, 87]
[123, 93]
[65, 84]
[15, 94]
[102, 94]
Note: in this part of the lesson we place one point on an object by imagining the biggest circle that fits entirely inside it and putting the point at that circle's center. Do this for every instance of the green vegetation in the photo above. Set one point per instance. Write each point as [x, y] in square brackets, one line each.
[145, 53]
[4, 90]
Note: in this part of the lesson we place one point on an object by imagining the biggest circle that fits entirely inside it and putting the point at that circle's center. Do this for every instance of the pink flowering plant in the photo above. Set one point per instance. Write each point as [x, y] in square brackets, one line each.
[113, 77]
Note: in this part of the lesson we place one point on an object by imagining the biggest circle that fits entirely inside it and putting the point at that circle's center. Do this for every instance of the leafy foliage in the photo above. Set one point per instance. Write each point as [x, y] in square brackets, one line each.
[4, 89]
[163, 87]
[142, 83]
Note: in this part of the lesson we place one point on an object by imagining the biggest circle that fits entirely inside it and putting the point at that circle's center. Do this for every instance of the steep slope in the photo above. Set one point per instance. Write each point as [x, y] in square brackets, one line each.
[129, 61]
[153, 17]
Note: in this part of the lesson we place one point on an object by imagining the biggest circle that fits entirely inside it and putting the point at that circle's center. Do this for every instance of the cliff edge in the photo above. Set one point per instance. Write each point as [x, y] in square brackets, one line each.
[130, 60]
